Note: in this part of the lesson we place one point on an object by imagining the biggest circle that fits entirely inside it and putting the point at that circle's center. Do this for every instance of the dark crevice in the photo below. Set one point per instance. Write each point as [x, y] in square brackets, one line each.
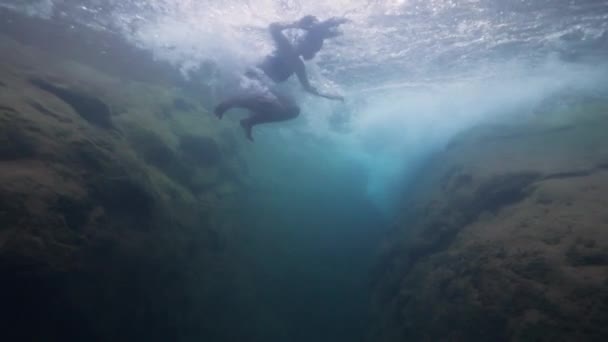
[7, 109]
[603, 166]
[580, 256]
[502, 191]
[572, 174]
[89, 108]
[576, 174]
[48, 112]
[491, 196]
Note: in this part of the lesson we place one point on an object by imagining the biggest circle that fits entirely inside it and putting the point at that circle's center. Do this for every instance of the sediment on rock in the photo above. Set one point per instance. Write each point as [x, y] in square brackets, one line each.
[95, 243]
[15, 144]
[502, 241]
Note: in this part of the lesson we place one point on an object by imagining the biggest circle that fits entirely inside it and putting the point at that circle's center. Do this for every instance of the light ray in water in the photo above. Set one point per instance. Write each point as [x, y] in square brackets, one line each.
[414, 72]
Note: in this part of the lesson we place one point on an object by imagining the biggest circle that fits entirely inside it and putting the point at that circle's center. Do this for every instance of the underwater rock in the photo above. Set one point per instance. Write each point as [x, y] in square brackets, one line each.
[157, 153]
[8, 109]
[12, 211]
[86, 156]
[152, 148]
[502, 241]
[166, 110]
[75, 212]
[124, 197]
[201, 150]
[89, 108]
[502, 190]
[587, 254]
[96, 245]
[48, 112]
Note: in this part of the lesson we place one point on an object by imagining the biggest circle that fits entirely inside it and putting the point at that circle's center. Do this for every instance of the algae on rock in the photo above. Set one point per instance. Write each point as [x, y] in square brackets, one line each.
[494, 243]
[105, 230]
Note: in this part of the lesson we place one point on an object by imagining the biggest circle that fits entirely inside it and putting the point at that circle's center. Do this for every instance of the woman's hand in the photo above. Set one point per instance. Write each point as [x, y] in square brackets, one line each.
[308, 22]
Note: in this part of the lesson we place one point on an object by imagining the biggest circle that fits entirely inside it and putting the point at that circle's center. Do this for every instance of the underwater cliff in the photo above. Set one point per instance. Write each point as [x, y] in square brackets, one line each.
[457, 194]
[504, 237]
[129, 212]
[109, 205]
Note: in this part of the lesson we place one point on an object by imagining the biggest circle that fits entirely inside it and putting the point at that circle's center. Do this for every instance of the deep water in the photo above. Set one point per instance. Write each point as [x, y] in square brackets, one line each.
[311, 228]
[290, 233]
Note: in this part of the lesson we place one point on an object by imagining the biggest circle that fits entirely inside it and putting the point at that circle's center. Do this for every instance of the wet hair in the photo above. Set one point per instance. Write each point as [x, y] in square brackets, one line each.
[312, 42]
[309, 45]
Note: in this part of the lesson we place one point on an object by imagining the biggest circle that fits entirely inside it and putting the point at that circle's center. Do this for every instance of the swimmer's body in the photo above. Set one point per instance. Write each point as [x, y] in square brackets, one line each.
[270, 106]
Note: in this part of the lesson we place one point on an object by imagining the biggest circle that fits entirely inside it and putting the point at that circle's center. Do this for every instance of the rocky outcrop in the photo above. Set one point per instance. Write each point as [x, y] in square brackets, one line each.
[88, 107]
[505, 238]
[105, 231]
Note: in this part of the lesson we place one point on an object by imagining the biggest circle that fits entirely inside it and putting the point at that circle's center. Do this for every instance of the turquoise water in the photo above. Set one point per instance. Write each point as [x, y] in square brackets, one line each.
[323, 190]
[310, 226]
[400, 64]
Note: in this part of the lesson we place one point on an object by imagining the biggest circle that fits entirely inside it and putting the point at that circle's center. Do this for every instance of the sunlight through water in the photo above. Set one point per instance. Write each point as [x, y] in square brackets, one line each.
[414, 72]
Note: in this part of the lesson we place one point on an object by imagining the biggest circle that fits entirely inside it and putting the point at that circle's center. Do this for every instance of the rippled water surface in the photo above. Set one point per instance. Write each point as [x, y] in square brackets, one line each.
[387, 41]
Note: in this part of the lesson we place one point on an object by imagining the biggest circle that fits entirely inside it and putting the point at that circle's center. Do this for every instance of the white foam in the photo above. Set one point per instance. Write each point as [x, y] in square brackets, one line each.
[414, 72]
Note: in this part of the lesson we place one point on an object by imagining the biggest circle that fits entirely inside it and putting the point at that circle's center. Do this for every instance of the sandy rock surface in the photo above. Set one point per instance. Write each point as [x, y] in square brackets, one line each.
[506, 238]
[112, 204]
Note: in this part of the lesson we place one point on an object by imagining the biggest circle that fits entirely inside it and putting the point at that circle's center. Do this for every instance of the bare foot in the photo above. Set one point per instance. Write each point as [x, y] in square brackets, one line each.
[247, 127]
[221, 109]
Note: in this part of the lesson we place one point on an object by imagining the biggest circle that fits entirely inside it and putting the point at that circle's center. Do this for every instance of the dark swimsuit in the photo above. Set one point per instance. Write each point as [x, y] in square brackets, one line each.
[262, 81]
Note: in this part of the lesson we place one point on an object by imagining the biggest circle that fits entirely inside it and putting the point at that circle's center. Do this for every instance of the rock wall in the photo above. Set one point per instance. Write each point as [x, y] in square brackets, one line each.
[505, 237]
[114, 206]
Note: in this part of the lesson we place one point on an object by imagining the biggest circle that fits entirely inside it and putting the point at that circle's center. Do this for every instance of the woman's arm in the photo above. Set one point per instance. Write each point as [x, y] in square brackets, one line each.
[276, 30]
[303, 78]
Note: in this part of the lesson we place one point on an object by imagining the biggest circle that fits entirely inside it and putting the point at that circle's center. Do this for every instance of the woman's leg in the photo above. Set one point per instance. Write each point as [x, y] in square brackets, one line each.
[263, 110]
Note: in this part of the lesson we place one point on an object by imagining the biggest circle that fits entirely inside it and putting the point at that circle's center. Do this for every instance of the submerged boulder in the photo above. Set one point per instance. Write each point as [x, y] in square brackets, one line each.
[505, 240]
[95, 244]
[125, 197]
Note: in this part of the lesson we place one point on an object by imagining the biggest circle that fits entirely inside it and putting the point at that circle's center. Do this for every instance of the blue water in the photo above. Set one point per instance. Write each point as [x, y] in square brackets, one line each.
[325, 187]
[401, 64]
